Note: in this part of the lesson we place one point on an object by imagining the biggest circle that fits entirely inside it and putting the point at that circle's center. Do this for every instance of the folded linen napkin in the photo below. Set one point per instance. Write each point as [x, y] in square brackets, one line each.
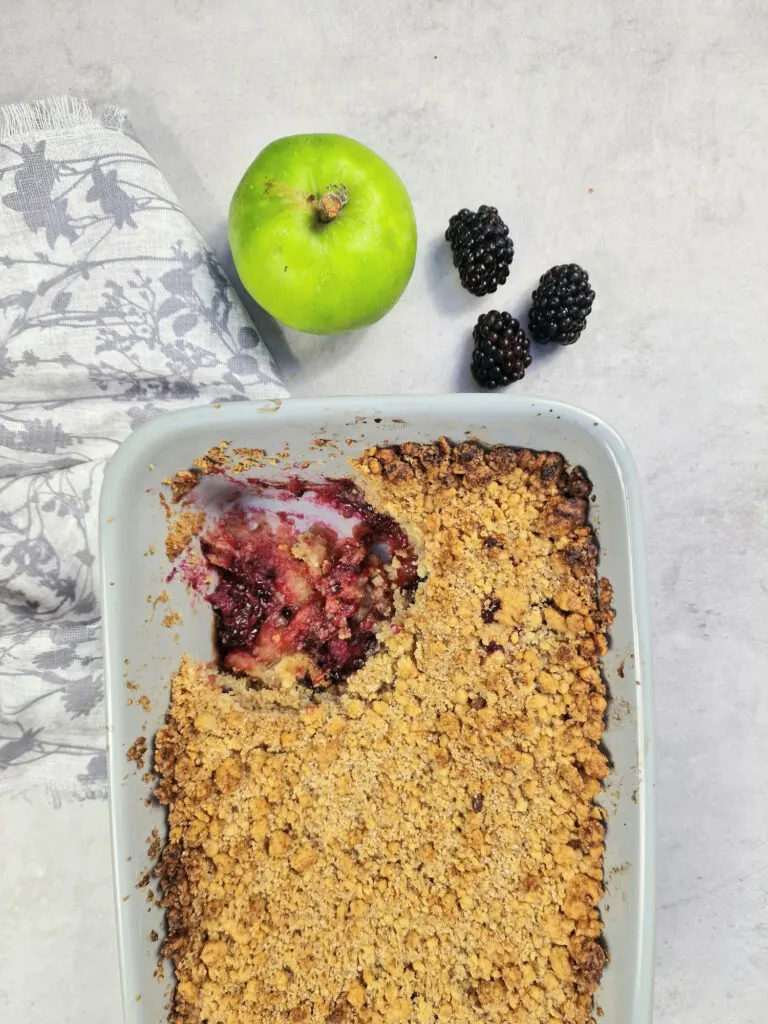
[112, 310]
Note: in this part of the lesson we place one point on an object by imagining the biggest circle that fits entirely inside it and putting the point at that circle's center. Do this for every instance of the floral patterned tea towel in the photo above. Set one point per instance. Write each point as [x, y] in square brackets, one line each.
[112, 310]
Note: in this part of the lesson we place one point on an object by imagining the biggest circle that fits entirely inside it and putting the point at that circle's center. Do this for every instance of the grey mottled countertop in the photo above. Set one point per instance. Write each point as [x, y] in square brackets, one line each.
[626, 137]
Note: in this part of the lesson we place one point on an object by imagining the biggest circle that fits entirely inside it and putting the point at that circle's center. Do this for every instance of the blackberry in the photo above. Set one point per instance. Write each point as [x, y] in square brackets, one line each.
[560, 305]
[501, 351]
[481, 247]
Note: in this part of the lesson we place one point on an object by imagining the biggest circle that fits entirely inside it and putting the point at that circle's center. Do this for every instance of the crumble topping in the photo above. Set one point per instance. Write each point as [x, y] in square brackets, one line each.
[137, 750]
[423, 846]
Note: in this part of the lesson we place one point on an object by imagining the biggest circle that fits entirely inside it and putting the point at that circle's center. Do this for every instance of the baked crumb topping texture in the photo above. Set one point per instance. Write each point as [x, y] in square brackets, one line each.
[424, 846]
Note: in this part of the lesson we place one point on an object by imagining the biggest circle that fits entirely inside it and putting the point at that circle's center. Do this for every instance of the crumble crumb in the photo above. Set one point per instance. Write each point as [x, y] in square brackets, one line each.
[182, 483]
[424, 847]
[244, 459]
[182, 528]
[137, 750]
[214, 459]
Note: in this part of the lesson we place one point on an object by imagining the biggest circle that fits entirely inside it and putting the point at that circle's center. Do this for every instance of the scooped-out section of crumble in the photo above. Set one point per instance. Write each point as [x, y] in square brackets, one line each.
[300, 574]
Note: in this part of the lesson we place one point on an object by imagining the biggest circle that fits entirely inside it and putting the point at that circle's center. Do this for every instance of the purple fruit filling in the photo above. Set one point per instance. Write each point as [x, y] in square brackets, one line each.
[304, 568]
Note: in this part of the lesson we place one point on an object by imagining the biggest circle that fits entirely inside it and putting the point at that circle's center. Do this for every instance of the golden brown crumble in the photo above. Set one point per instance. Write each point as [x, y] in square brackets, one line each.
[181, 529]
[247, 458]
[138, 749]
[154, 844]
[182, 483]
[424, 847]
[217, 457]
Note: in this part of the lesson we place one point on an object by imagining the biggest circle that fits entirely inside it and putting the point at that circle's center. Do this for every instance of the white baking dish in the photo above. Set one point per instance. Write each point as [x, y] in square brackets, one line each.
[141, 651]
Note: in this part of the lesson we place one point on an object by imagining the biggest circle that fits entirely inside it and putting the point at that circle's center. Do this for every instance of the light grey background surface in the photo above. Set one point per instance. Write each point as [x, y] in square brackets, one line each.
[628, 137]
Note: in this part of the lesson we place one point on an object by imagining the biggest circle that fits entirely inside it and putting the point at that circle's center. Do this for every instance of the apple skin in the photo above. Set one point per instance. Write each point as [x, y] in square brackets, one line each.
[323, 278]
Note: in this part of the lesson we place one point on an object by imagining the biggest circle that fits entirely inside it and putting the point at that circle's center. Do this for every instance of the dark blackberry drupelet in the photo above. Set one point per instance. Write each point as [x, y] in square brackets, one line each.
[481, 247]
[560, 305]
[502, 351]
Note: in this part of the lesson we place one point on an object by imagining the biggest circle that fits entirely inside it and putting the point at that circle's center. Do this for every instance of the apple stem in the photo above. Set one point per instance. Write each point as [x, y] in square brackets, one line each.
[331, 203]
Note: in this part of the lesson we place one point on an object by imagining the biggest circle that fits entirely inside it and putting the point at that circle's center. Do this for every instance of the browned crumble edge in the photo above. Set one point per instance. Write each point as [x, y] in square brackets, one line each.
[426, 846]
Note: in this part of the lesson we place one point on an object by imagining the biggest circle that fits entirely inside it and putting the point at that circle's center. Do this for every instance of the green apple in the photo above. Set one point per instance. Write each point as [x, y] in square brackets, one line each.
[322, 233]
